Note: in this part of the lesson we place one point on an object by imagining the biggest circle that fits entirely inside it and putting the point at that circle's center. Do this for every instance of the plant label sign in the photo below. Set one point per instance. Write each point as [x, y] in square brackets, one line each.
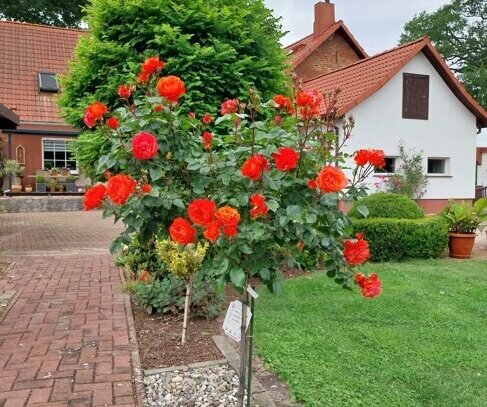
[233, 320]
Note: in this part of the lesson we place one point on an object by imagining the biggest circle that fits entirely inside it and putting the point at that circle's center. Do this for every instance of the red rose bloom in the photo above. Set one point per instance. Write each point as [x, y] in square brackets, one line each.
[377, 158]
[94, 197]
[312, 184]
[146, 188]
[362, 157]
[120, 187]
[207, 139]
[191, 115]
[112, 122]
[206, 119]
[285, 159]
[201, 211]
[309, 103]
[94, 113]
[356, 251]
[331, 179]
[255, 166]
[212, 231]
[152, 65]
[283, 103]
[171, 88]
[142, 78]
[125, 91]
[144, 146]
[228, 218]
[371, 287]
[230, 106]
[182, 232]
[157, 108]
[258, 206]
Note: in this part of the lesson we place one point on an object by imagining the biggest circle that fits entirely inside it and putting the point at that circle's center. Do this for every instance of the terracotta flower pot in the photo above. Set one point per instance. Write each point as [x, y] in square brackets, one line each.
[28, 188]
[461, 245]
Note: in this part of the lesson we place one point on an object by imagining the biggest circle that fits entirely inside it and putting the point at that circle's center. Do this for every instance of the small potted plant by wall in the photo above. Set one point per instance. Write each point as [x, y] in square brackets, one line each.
[60, 187]
[70, 184]
[11, 171]
[54, 171]
[463, 220]
[52, 185]
[40, 183]
[64, 172]
[28, 188]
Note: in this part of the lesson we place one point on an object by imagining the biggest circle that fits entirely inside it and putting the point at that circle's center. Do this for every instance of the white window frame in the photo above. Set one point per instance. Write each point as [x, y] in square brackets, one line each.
[443, 174]
[66, 140]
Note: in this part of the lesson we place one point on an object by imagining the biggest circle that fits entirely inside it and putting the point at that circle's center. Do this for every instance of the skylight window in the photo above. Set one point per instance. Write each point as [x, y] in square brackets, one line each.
[48, 82]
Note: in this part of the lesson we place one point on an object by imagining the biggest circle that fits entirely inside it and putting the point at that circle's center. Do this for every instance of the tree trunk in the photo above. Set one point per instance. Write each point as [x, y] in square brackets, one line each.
[243, 353]
[187, 304]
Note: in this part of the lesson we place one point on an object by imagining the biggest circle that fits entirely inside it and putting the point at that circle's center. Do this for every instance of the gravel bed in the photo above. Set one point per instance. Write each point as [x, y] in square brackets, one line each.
[212, 386]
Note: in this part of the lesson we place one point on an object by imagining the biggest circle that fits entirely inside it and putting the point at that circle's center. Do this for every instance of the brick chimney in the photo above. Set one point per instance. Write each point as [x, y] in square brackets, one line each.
[324, 16]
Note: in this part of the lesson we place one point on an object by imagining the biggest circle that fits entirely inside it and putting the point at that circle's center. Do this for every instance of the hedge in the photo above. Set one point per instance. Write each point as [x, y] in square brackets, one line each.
[387, 205]
[404, 239]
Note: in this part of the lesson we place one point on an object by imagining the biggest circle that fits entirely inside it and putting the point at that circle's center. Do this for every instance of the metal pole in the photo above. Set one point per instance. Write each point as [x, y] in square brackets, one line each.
[243, 352]
[251, 342]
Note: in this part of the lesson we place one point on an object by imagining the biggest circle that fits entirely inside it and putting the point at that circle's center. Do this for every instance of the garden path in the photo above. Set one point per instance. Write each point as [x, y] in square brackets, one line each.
[65, 338]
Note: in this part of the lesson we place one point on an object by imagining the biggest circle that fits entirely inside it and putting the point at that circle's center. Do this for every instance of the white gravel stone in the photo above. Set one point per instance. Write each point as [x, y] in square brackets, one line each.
[211, 386]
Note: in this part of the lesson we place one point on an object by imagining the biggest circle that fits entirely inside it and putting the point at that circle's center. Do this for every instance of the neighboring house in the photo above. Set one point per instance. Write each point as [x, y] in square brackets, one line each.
[31, 128]
[409, 94]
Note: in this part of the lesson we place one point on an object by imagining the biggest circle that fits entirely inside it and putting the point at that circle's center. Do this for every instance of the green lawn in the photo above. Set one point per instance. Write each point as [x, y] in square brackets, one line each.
[422, 342]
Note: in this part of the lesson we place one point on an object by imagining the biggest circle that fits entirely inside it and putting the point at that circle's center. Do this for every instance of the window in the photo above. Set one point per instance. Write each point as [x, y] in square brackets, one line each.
[57, 154]
[389, 168]
[438, 166]
[48, 82]
[415, 96]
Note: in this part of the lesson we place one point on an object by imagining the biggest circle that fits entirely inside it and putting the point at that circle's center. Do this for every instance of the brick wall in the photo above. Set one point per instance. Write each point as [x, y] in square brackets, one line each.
[333, 54]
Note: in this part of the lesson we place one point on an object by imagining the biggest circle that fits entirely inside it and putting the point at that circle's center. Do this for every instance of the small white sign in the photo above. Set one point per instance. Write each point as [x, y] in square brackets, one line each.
[252, 292]
[233, 320]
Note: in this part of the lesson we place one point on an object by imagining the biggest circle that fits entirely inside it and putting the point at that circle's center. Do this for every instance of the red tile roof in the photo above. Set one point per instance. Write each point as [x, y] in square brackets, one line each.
[25, 50]
[362, 79]
[301, 49]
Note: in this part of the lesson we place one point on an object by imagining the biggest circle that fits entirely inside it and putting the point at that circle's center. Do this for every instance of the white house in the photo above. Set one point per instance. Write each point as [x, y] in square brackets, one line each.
[482, 167]
[408, 94]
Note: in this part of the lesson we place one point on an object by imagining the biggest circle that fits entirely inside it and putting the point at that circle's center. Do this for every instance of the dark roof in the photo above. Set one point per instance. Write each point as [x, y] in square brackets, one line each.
[8, 119]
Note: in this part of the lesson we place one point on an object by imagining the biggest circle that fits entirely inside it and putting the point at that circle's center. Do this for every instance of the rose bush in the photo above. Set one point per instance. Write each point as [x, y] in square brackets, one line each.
[268, 179]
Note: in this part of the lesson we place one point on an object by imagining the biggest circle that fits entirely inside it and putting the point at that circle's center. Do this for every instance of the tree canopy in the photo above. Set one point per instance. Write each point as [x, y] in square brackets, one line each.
[459, 31]
[59, 13]
[220, 47]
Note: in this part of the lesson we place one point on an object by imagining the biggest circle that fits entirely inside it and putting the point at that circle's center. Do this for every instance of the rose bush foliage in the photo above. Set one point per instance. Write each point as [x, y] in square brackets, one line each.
[266, 182]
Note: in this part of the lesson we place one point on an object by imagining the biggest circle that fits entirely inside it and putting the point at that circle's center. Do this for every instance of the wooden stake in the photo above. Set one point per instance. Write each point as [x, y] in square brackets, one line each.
[187, 303]
[243, 353]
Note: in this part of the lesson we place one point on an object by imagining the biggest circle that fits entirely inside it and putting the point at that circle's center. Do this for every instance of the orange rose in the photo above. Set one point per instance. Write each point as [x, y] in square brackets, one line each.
[171, 88]
[331, 179]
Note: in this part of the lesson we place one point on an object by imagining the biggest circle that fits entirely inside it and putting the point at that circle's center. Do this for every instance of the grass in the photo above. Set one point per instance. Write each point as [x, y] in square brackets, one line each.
[423, 342]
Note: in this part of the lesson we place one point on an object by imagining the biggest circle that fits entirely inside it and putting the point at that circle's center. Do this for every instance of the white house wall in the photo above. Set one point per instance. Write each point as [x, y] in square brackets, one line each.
[482, 171]
[450, 131]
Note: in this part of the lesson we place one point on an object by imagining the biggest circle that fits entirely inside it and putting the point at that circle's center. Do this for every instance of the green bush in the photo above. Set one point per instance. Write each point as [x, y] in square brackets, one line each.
[404, 239]
[387, 205]
[166, 295]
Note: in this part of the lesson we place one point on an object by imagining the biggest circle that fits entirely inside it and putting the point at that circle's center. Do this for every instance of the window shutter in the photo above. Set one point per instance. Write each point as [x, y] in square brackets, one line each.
[415, 96]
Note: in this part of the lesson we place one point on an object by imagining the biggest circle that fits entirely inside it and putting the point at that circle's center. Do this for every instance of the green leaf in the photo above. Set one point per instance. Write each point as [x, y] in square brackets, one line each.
[237, 277]
[363, 210]
[246, 249]
[155, 173]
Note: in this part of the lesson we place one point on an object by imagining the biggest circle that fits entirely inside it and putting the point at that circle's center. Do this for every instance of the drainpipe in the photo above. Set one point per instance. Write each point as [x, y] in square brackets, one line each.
[9, 137]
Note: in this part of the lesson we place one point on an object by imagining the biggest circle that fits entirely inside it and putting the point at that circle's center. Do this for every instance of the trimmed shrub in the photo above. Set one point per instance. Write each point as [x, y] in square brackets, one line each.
[387, 205]
[404, 239]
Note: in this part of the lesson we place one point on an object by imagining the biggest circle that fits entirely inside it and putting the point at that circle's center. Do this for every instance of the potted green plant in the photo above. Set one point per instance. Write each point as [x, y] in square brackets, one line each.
[54, 171]
[60, 187]
[11, 170]
[40, 183]
[70, 184]
[463, 220]
[52, 185]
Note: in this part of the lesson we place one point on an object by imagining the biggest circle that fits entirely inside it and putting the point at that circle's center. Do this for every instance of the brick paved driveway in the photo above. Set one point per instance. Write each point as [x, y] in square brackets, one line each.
[65, 339]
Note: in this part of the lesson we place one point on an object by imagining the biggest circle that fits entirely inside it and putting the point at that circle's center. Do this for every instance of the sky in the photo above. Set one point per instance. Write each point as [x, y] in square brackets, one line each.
[376, 24]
